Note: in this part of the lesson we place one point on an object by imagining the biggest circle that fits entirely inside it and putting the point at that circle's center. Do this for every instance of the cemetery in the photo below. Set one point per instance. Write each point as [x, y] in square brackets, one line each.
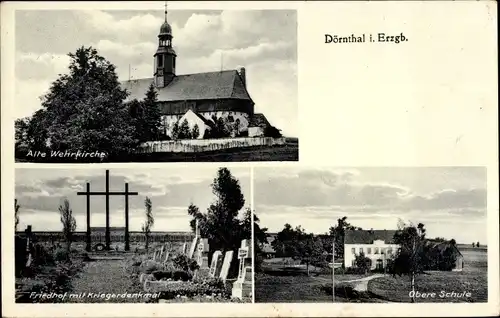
[107, 266]
[179, 274]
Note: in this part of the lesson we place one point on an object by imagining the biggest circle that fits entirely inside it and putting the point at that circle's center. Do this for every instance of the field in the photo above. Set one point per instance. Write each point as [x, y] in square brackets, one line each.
[280, 283]
[473, 279]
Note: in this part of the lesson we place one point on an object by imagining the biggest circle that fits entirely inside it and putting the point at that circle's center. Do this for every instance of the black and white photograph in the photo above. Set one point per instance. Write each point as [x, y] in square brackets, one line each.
[371, 235]
[155, 86]
[164, 235]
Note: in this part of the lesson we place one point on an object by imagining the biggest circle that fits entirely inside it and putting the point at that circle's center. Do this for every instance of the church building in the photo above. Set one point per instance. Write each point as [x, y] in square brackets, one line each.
[198, 97]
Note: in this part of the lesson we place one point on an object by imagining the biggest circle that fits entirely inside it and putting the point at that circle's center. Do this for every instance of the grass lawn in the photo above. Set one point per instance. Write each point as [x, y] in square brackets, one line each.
[289, 152]
[473, 279]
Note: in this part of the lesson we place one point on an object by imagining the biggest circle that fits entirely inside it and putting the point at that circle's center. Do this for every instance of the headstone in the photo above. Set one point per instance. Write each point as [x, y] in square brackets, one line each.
[216, 264]
[167, 254]
[192, 248]
[228, 258]
[160, 256]
[202, 254]
[242, 287]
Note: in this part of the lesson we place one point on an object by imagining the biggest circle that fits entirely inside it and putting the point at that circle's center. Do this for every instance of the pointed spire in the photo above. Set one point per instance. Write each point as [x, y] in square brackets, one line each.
[166, 11]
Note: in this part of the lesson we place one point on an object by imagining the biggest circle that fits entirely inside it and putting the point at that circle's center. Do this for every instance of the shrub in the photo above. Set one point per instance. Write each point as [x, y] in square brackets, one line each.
[190, 289]
[184, 263]
[173, 275]
[61, 255]
[363, 263]
[150, 266]
[271, 131]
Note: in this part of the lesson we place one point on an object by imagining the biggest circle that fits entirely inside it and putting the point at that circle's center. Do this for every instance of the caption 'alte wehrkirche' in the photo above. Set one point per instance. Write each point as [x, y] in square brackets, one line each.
[353, 38]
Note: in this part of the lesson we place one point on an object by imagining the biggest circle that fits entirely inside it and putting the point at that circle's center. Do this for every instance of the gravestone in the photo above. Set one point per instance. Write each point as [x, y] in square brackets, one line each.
[202, 254]
[160, 256]
[242, 287]
[216, 264]
[167, 254]
[192, 248]
[228, 258]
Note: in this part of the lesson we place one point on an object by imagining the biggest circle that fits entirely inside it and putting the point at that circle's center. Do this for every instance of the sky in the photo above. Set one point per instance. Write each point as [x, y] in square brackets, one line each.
[171, 189]
[450, 202]
[264, 42]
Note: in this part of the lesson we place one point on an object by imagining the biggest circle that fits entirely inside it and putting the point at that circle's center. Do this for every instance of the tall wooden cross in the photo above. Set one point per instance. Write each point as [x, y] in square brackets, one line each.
[107, 193]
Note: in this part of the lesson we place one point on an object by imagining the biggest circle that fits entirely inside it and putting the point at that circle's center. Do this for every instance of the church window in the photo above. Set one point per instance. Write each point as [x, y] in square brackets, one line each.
[376, 250]
[368, 250]
[360, 250]
[353, 250]
[160, 61]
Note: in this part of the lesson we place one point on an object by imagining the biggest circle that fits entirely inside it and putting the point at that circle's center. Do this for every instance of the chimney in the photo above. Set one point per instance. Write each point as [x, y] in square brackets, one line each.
[243, 76]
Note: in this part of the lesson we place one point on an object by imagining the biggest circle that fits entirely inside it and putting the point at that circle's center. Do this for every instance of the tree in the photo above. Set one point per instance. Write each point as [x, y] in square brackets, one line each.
[195, 133]
[152, 114]
[184, 132]
[175, 130]
[295, 243]
[68, 223]
[150, 221]
[16, 214]
[85, 109]
[221, 224]
[363, 263]
[21, 135]
[271, 131]
[477, 244]
[338, 233]
[473, 244]
[411, 258]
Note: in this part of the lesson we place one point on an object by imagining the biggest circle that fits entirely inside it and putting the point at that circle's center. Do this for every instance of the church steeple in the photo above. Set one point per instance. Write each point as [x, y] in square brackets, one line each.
[165, 55]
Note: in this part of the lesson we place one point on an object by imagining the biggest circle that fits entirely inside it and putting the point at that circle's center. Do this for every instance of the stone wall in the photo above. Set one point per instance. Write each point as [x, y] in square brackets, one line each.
[202, 145]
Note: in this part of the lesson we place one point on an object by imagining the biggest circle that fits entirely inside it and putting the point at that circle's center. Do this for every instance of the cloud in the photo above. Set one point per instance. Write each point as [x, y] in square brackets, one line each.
[41, 191]
[264, 42]
[329, 188]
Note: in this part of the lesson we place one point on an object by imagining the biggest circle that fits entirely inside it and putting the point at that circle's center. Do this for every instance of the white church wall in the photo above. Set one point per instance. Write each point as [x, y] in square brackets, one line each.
[168, 121]
[255, 131]
[193, 120]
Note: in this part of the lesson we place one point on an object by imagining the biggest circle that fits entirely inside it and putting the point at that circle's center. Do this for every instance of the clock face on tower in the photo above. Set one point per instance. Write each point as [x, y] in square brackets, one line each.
[160, 72]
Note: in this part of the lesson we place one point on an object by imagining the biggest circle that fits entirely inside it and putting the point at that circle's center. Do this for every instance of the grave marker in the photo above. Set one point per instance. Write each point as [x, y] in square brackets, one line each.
[216, 264]
[226, 264]
[192, 248]
[242, 287]
[107, 193]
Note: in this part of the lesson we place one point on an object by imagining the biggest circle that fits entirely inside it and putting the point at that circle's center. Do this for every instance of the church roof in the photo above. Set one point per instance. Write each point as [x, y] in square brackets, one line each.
[368, 236]
[199, 86]
[259, 120]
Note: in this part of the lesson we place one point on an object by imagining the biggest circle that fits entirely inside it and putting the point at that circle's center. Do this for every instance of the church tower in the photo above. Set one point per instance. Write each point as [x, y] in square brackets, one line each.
[165, 55]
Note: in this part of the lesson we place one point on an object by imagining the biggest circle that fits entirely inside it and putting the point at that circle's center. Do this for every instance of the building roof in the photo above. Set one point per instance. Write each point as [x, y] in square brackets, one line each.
[207, 122]
[368, 236]
[199, 86]
[259, 120]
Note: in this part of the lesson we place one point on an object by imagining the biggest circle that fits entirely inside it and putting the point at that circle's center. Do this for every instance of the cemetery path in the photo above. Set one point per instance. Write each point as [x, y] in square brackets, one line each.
[103, 277]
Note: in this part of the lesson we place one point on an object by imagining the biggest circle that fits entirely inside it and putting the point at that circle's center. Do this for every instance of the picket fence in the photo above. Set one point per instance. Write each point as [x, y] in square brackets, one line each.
[202, 145]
